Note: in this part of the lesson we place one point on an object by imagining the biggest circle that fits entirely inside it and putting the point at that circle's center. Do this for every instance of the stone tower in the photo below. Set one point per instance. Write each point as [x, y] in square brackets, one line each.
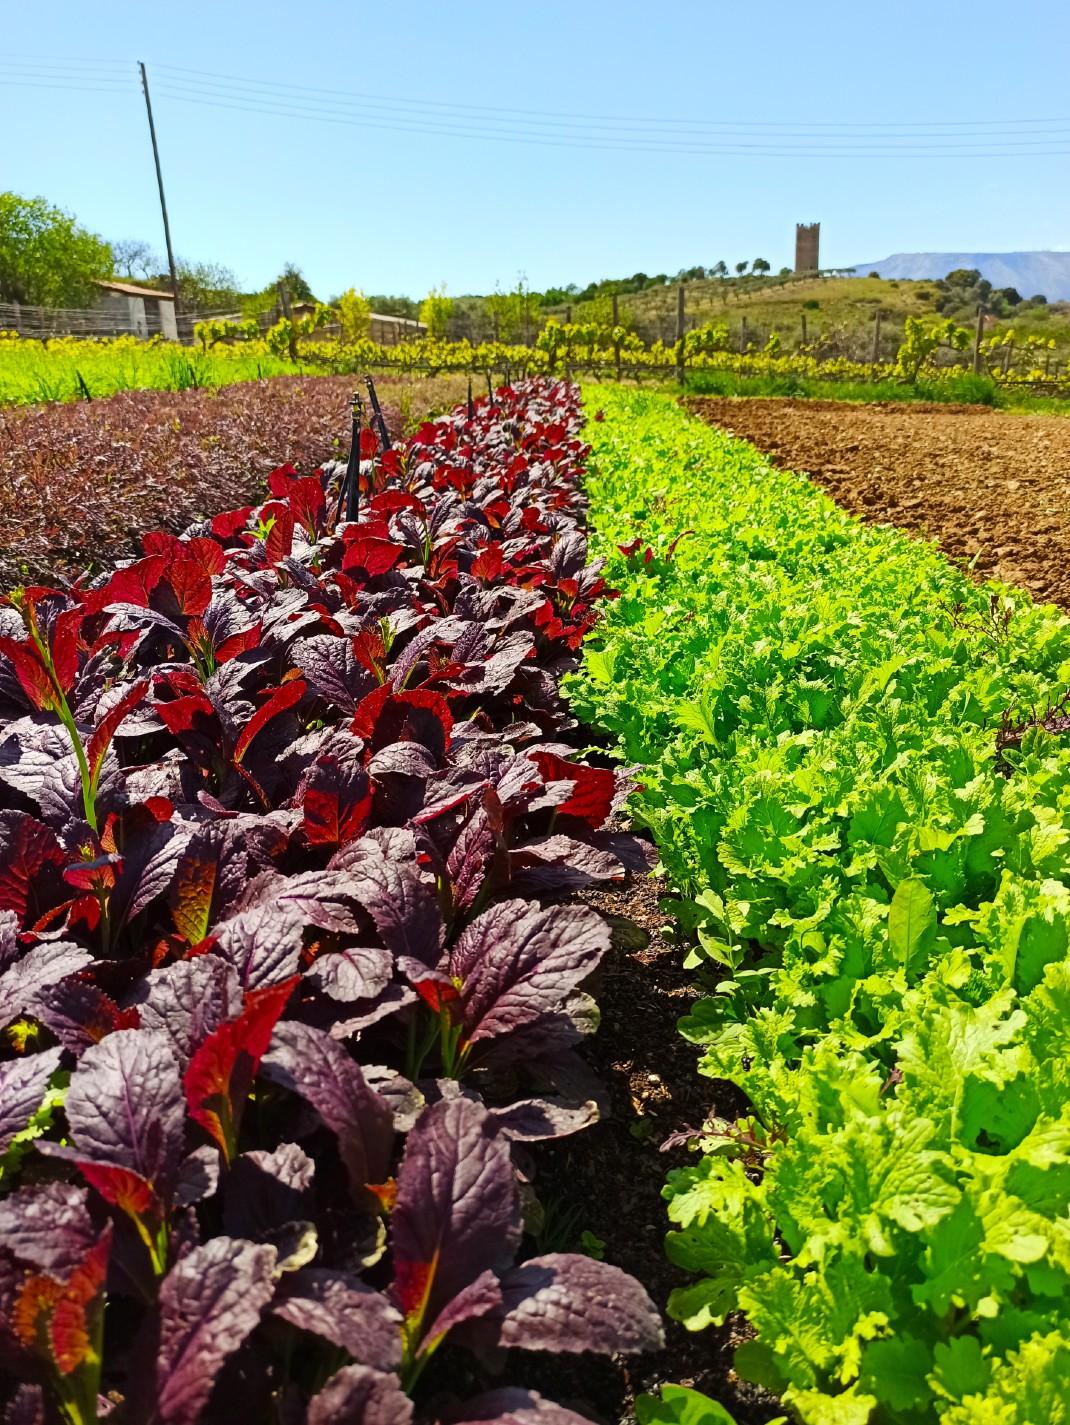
[807, 242]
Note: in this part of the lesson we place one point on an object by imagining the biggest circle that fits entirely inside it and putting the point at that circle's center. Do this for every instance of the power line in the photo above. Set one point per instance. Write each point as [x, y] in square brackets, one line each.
[335, 103]
[319, 112]
[273, 87]
[987, 138]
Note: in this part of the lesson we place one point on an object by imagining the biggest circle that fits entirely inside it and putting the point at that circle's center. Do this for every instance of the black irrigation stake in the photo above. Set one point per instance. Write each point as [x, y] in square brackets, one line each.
[86, 394]
[471, 408]
[377, 410]
[490, 389]
[349, 493]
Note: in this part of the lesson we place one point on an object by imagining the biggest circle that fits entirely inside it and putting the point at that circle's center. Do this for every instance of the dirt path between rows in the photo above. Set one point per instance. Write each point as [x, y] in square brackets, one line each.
[983, 483]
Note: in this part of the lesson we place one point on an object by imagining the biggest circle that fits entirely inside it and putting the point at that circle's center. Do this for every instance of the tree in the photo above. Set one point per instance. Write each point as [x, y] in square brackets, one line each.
[46, 259]
[296, 285]
[963, 277]
[759, 266]
[1010, 295]
[514, 314]
[135, 259]
[354, 315]
[720, 269]
[741, 267]
[206, 286]
[435, 311]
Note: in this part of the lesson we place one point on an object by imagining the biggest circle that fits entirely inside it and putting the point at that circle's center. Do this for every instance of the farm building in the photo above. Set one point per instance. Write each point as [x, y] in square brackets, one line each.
[145, 311]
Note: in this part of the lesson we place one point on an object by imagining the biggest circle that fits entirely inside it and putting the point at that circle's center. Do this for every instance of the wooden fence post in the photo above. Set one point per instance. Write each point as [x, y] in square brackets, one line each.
[803, 319]
[680, 334]
[978, 336]
[616, 342]
[742, 335]
[287, 312]
[876, 336]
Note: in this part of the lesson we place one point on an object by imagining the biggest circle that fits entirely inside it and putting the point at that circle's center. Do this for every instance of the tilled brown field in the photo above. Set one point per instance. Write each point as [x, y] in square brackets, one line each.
[984, 483]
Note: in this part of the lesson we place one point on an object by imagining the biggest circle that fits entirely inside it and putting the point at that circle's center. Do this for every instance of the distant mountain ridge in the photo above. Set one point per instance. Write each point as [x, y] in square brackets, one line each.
[1032, 273]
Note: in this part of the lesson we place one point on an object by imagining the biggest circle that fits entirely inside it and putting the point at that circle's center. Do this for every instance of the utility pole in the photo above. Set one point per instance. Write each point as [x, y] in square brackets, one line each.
[159, 182]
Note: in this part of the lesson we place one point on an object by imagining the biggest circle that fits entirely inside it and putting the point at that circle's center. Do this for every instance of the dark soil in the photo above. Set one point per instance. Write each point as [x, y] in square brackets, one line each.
[609, 1178]
[991, 487]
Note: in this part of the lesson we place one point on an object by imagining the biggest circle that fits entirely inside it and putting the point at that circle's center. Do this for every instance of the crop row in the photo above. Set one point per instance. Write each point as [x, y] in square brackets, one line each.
[854, 771]
[79, 483]
[72, 369]
[280, 801]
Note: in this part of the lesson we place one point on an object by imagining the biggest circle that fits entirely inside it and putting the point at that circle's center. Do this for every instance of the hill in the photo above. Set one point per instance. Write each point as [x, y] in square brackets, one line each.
[836, 313]
[1032, 273]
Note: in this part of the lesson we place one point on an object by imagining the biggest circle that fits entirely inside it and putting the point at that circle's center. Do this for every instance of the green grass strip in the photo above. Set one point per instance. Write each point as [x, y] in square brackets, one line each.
[875, 904]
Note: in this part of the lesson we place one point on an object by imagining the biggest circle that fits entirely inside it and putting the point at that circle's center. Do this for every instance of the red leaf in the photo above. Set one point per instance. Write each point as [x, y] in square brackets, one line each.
[122, 1187]
[30, 671]
[308, 504]
[374, 556]
[191, 896]
[238, 643]
[595, 787]
[221, 1072]
[131, 585]
[179, 713]
[281, 481]
[390, 501]
[192, 587]
[72, 1331]
[280, 539]
[370, 651]
[29, 847]
[65, 646]
[488, 563]
[336, 804]
[159, 541]
[105, 729]
[369, 446]
[282, 698]
[437, 995]
[420, 716]
[205, 552]
[227, 525]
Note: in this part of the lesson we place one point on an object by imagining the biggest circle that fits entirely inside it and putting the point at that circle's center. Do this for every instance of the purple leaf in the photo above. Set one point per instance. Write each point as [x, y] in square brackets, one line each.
[197, 1176]
[512, 1406]
[341, 1309]
[189, 1000]
[47, 1225]
[209, 1303]
[519, 964]
[23, 1083]
[360, 972]
[357, 1395]
[42, 965]
[265, 1191]
[125, 1105]
[566, 1302]
[263, 945]
[385, 879]
[532, 1120]
[9, 938]
[479, 844]
[319, 1069]
[457, 1213]
[77, 1012]
[478, 1299]
[332, 671]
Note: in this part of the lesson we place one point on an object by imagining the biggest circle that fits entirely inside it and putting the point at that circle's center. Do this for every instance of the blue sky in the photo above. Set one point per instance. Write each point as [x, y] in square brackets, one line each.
[404, 195]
